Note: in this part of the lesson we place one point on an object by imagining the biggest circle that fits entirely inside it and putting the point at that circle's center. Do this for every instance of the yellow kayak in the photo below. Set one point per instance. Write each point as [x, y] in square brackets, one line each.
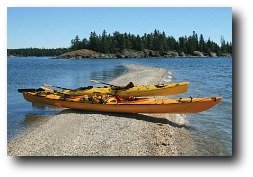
[122, 104]
[140, 90]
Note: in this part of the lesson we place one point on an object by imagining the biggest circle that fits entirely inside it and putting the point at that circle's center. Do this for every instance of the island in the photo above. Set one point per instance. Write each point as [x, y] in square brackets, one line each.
[126, 45]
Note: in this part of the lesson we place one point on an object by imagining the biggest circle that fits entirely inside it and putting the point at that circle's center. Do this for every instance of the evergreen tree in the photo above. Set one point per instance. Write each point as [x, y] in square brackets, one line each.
[201, 43]
[155, 40]
[84, 43]
[190, 45]
[223, 45]
[172, 43]
[76, 44]
[150, 42]
[208, 46]
[138, 43]
[117, 42]
[195, 40]
[128, 44]
[105, 48]
[182, 44]
[94, 42]
[164, 42]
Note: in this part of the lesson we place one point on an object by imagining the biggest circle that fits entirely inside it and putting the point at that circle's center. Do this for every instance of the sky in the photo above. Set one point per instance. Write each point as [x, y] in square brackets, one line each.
[52, 27]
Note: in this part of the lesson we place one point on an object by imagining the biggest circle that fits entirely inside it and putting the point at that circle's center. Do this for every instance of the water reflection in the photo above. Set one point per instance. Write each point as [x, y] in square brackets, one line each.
[39, 106]
[107, 75]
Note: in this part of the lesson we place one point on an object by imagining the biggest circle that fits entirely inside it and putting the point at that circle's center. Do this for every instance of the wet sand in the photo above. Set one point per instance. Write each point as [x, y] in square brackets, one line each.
[82, 133]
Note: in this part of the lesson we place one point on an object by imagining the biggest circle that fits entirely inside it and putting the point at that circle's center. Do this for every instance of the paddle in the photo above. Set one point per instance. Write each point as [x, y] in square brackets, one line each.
[114, 87]
[50, 85]
[30, 90]
[98, 82]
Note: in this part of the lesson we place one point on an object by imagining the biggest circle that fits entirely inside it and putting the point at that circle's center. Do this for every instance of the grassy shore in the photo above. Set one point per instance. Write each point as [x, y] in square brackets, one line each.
[82, 133]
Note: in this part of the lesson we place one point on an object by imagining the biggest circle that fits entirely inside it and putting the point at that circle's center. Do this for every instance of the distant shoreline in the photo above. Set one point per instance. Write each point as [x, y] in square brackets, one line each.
[126, 53]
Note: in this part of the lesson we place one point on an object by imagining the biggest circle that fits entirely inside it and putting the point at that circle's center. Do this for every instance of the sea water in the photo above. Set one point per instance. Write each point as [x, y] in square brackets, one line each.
[211, 130]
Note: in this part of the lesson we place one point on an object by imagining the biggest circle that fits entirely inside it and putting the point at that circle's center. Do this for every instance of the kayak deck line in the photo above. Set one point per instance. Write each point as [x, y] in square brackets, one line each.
[139, 90]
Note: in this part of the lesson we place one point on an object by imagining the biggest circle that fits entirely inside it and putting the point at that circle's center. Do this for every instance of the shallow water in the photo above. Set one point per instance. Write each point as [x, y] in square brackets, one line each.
[33, 72]
[212, 129]
[207, 77]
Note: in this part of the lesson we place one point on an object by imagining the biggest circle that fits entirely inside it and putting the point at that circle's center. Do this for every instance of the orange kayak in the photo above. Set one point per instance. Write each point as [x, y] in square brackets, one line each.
[127, 105]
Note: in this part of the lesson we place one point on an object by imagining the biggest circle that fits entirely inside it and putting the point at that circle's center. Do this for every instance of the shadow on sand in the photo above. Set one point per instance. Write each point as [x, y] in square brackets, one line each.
[147, 118]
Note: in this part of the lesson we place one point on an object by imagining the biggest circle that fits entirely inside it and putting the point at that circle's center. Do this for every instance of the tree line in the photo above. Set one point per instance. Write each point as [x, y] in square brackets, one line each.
[117, 42]
[39, 52]
[157, 41]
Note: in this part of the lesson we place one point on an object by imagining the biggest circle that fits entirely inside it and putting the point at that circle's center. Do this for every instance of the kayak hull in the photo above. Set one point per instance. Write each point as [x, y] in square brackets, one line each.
[142, 105]
[137, 91]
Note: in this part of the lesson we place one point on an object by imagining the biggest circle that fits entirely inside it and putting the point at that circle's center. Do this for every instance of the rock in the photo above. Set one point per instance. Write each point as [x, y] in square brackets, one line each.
[226, 55]
[182, 54]
[198, 53]
[85, 53]
[151, 53]
[130, 53]
[212, 54]
[172, 54]
[120, 56]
